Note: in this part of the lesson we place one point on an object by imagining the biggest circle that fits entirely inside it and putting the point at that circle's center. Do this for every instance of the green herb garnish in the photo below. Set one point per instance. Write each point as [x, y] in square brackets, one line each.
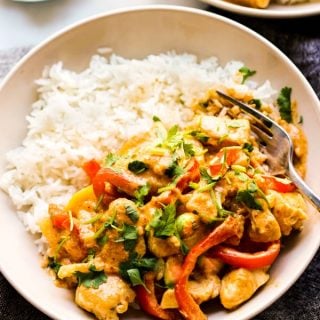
[92, 279]
[137, 166]
[54, 265]
[136, 263]
[135, 277]
[199, 136]
[110, 159]
[156, 119]
[247, 146]
[284, 103]
[163, 221]
[248, 197]
[256, 102]
[174, 170]
[132, 213]
[141, 193]
[129, 236]
[246, 73]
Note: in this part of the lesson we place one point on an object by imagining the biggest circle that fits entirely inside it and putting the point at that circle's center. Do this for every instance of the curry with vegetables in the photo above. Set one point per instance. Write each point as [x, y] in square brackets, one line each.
[178, 216]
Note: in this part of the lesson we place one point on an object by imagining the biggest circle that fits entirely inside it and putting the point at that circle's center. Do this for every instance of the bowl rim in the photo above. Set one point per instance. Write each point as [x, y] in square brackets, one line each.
[177, 8]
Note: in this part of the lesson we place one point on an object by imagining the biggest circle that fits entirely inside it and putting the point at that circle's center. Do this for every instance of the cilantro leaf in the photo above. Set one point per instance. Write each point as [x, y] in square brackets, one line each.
[163, 222]
[129, 236]
[199, 136]
[135, 262]
[188, 149]
[247, 146]
[54, 265]
[246, 197]
[141, 193]
[110, 159]
[132, 213]
[137, 166]
[284, 103]
[174, 170]
[91, 279]
[246, 73]
[256, 102]
[174, 139]
[135, 277]
[156, 119]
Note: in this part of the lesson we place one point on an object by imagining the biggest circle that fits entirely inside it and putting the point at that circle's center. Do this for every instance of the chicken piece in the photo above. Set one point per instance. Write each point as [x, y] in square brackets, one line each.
[264, 226]
[117, 246]
[239, 285]
[289, 209]
[190, 228]
[108, 300]
[163, 247]
[225, 132]
[201, 202]
[209, 266]
[202, 289]
[62, 241]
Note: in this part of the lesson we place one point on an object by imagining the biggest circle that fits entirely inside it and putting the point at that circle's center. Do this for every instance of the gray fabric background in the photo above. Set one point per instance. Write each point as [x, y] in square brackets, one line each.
[299, 39]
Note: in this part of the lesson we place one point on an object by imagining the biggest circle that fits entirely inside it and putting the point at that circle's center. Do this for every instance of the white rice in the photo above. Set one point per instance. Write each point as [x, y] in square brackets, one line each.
[80, 116]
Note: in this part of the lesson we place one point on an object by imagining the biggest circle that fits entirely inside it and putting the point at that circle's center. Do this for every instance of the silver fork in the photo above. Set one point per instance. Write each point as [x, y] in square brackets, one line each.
[277, 144]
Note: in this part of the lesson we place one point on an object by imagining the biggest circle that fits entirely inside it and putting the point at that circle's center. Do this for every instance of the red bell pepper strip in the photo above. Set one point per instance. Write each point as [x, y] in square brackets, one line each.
[91, 168]
[277, 184]
[147, 299]
[61, 221]
[124, 181]
[187, 306]
[247, 260]
[231, 156]
[191, 175]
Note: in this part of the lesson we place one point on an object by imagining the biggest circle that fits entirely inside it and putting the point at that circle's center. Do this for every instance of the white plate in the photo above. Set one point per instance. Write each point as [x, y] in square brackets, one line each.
[131, 33]
[273, 11]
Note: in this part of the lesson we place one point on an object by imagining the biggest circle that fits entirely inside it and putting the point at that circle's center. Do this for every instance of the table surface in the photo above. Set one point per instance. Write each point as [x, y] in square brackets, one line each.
[25, 25]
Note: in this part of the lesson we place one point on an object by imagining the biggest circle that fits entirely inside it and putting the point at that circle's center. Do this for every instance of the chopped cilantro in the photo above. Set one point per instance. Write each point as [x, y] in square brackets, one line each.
[163, 221]
[136, 263]
[132, 213]
[141, 193]
[284, 103]
[110, 159]
[188, 149]
[129, 236]
[54, 265]
[247, 197]
[135, 277]
[103, 240]
[301, 120]
[247, 146]
[137, 166]
[156, 119]
[246, 73]
[173, 139]
[92, 279]
[199, 136]
[256, 102]
[174, 170]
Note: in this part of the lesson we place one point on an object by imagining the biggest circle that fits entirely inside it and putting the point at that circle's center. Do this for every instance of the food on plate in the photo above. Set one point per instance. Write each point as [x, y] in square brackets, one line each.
[262, 4]
[145, 187]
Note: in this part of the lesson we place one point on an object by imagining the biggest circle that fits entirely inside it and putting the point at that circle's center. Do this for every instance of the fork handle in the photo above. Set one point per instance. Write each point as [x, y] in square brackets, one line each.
[303, 187]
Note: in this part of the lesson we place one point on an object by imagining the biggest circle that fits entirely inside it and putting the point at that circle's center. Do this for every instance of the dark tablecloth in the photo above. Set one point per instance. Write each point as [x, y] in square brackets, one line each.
[299, 39]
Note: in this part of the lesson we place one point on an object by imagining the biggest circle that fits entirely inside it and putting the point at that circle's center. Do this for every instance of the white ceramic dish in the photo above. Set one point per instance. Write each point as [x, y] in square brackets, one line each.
[136, 33]
[274, 10]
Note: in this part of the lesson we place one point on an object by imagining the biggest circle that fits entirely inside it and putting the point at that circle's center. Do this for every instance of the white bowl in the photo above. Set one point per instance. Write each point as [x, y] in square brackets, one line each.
[137, 32]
